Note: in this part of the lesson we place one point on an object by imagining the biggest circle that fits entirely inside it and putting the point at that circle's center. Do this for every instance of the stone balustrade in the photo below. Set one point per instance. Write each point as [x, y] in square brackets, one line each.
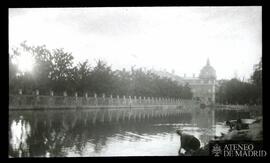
[51, 101]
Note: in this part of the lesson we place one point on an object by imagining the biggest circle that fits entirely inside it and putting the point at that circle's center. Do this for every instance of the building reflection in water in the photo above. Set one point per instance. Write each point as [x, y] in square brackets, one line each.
[205, 121]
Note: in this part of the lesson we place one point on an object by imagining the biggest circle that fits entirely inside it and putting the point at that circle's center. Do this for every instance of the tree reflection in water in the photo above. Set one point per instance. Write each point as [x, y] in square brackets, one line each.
[19, 132]
[57, 133]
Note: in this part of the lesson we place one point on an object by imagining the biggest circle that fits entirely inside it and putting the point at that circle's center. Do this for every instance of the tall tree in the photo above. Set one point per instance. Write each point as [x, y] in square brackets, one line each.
[102, 78]
[62, 70]
[82, 77]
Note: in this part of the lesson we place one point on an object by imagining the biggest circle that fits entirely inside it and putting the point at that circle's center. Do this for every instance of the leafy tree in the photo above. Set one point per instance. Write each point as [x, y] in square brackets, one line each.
[102, 78]
[62, 71]
[235, 91]
[42, 68]
[82, 77]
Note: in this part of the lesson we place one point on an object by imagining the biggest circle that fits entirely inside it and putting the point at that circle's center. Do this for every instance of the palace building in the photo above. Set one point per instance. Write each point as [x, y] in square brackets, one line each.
[203, 87]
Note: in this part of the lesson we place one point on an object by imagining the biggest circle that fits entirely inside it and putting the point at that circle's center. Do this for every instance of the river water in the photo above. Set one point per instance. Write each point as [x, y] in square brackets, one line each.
[110, 132]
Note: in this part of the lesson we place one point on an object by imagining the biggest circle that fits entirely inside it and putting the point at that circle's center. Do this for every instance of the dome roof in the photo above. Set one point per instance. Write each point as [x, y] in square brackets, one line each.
[207, 72]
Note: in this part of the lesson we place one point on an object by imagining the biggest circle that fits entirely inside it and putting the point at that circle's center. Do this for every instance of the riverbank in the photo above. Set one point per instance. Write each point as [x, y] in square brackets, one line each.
[253, 133]
[238, 107]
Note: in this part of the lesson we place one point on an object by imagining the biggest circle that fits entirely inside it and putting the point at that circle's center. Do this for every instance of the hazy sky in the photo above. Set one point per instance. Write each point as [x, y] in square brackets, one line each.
[171, 38]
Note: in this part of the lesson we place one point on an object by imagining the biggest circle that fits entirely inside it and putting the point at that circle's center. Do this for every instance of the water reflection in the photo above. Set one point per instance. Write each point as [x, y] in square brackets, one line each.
[204, 120]
[105, 132]
[20, 131]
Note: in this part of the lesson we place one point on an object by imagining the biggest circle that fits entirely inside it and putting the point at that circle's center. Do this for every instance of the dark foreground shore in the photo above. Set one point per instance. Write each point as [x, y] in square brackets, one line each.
[253, 133]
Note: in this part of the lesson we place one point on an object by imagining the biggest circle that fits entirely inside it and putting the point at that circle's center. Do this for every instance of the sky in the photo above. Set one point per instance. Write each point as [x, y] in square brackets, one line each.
[178, 39]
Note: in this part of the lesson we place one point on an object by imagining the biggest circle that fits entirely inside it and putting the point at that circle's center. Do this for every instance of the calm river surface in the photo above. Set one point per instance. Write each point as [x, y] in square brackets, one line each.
[109, 132]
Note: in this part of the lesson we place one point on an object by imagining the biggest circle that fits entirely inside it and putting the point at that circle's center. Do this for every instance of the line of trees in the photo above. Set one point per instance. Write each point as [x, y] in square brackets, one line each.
[235, 91]
[55, 70]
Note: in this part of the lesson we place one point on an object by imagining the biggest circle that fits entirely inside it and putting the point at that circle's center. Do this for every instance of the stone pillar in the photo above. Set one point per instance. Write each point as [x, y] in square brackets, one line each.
[37, 97]
[51, 99]
[118, 100]
[96, 100]
[65, 98]
[51, 93]
[135, 99]
[130, 101]
[103, 99]
[124, 99]
[144, 99]
[37, 92]
[20, 91]
[111, 100]
[86, 99]
[76, 98]
[76, 95]
[140, 99]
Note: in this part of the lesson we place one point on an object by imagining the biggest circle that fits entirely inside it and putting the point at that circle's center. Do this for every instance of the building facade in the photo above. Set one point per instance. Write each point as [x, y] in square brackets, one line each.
[203, 87]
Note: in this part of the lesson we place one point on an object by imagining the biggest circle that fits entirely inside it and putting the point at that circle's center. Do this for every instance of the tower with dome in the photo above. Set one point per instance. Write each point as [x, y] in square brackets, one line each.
[208, 72]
